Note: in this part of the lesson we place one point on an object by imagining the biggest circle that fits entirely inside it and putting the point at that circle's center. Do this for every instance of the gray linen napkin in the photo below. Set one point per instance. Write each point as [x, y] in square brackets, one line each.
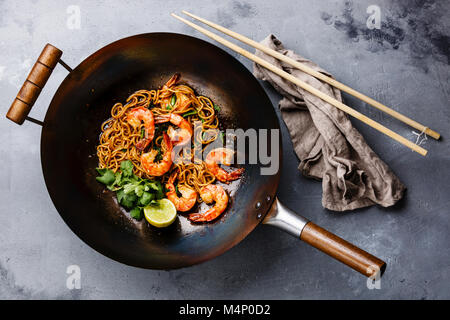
[325, 141]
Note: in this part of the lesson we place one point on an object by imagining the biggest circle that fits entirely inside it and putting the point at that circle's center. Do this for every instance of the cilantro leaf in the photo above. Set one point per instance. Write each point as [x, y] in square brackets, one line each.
[118, 179]
[117, 184]
[127, 168]
[157, 187]
[136, 213]
[120, 195]
[146, 198]
[107, 176]
[139, 190]
[126, 200]
[159, 194]
[216, 107]
[154, 185]
[101, 171]
[131, 187]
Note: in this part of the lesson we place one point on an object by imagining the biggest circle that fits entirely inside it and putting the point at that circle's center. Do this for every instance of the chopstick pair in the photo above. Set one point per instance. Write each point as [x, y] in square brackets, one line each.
[309, 88]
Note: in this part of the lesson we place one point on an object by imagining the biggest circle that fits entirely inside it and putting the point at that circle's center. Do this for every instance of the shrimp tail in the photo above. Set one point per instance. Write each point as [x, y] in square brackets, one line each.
[172, 81]
[236, 174]
[168, 142]
[197, 217]
[162, 118]
[172, 178]
[208, 216]
[142, 144]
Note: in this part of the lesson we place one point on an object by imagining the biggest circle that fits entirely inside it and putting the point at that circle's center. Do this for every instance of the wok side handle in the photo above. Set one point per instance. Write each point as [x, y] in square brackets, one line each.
[327, 242]
[34, 84]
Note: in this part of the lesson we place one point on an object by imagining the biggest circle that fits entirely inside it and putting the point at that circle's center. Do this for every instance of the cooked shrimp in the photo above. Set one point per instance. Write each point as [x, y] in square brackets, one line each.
[183, 101]
[180, 136]
[134, 118]
[223, 156]
[188, 195]
[209, 194]
[160, 168]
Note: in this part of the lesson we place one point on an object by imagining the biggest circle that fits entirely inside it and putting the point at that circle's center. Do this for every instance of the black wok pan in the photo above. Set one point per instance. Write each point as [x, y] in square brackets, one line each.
[71, 130]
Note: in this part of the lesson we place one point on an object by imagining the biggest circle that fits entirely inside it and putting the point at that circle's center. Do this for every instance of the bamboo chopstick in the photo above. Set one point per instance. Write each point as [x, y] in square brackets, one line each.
[319, 76]
[307, 87]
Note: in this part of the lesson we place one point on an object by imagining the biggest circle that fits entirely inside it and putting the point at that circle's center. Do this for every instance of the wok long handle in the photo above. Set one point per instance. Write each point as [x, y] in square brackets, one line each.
[34, 84]
[327, 242]
[342, 250]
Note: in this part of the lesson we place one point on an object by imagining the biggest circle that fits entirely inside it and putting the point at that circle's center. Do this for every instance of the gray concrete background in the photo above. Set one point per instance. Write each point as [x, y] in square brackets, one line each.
[405, 65]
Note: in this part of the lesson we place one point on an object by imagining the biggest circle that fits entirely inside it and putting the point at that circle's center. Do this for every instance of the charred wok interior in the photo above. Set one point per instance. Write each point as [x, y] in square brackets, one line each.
[71, 133]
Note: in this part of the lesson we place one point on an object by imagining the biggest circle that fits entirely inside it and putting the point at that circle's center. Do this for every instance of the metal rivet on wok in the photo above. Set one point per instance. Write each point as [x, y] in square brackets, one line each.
[258, 205]
[268, 198]
[259, 216]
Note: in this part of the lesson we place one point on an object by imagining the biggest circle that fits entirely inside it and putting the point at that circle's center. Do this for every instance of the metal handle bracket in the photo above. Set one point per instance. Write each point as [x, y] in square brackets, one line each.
[284, 218]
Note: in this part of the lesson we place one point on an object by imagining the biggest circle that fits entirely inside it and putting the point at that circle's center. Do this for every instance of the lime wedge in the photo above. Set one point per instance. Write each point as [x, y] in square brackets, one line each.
[161, 214]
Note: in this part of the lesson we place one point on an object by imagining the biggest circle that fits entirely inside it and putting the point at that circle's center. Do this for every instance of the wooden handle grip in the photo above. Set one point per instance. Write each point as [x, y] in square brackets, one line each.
[32, 87]
[342, 250]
